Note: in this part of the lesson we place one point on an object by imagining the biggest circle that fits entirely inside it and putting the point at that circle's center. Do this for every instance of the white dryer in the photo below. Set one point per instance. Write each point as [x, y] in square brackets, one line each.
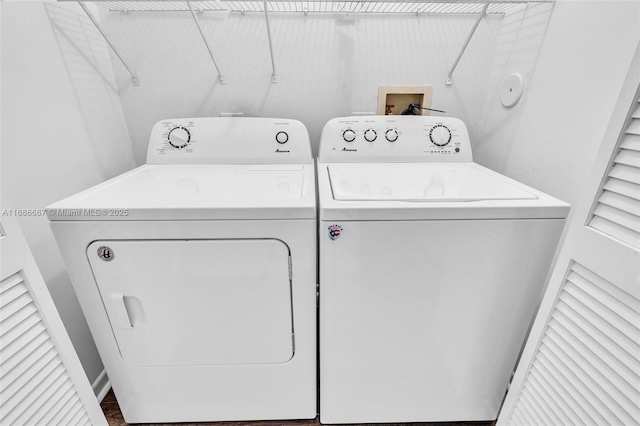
[431, 269]
[197, 272]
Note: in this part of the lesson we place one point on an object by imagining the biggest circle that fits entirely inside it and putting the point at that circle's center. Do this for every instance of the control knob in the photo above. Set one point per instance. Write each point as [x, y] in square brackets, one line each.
[440, 135]
[349, 135]
[179, 137]
[391, 135]
[370, 135]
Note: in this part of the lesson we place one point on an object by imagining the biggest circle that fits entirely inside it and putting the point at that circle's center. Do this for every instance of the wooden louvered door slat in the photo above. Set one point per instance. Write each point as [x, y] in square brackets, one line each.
[41, 379]
[581, 363]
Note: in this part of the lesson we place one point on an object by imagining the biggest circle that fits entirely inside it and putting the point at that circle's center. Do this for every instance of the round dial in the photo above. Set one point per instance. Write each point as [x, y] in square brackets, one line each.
[370, 135]
[391, 135]
[440, 135]
[179, 137]
[349, 135]
[282, 137]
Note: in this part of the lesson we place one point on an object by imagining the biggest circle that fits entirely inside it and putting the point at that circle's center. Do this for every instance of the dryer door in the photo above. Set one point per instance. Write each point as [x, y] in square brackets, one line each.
[196, 302]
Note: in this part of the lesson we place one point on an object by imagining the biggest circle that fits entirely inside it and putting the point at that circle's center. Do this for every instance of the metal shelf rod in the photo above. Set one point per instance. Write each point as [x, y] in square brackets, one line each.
[134, 77]
[449, 80]
[195, 19]
[273, 62]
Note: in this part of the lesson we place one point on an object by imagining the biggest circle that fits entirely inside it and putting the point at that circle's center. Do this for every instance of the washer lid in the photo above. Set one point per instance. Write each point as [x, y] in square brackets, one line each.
[192, 192]
[427, 191]
[421, 183]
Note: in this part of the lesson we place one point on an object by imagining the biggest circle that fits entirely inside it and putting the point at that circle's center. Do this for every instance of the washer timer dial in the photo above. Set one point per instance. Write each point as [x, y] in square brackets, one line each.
[440, 135]
[179, 137]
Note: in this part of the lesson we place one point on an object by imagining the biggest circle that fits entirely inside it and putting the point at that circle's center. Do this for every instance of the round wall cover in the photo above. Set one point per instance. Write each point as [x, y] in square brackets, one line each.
[511, 90]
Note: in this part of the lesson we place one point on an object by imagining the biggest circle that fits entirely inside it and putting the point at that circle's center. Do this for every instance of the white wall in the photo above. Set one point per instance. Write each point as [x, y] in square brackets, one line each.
[327, 65]
[573, 58]
[550, 138]
[63, 130]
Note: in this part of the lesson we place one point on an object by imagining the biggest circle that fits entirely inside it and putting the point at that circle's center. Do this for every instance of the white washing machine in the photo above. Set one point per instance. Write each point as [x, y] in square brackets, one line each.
[197, 272]
[431, 269]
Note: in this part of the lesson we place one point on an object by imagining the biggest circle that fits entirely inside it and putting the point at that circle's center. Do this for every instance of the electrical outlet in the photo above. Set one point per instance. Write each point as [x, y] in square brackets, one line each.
[392, 100]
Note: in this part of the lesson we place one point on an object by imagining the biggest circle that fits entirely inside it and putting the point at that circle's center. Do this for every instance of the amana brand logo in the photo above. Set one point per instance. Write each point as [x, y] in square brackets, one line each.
[335, 231]
[349, 149]
[105, 253]
[282, 150]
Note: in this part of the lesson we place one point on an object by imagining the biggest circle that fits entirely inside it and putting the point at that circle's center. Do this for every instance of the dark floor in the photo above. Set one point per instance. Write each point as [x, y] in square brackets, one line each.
[114, 416]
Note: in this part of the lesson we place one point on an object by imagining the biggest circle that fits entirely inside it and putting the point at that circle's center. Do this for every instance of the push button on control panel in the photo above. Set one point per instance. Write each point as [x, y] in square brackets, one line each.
[282, 137]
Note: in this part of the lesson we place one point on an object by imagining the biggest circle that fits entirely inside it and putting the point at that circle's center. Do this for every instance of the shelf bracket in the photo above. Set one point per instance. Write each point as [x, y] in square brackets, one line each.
[449, 80]
[134, 77]
[273, 63]
[195, 19]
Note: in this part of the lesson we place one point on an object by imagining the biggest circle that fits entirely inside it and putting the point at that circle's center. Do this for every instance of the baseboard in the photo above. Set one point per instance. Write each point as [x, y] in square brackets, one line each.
[101, 386]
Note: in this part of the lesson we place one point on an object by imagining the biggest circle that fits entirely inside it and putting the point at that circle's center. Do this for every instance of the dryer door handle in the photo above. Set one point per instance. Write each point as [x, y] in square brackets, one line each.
[120, 309]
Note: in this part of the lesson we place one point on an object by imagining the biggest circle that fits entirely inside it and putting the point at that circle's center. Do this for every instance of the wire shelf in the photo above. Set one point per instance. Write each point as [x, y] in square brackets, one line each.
[442, 7]
[480, 8]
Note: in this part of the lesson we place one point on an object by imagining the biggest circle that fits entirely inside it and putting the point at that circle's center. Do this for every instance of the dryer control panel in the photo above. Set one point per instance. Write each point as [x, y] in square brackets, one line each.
[229, 140]
[399, 138]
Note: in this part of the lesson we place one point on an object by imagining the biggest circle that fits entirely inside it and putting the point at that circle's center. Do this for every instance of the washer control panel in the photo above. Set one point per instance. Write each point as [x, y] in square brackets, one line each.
[229, 140]
[403, 138]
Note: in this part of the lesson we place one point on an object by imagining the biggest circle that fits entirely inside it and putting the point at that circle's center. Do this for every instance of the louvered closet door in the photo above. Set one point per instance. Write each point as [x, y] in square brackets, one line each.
[41, 379]
[581, 364]
[618, 206]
